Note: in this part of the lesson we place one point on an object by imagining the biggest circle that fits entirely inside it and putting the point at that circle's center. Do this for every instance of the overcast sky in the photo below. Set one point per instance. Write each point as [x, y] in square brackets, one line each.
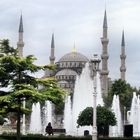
[78, 21]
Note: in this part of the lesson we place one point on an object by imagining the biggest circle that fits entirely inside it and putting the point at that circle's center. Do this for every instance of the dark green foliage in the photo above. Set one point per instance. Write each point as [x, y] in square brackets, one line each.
[6, 137]
[17, 74]
[85, 117]
[1, 120]
[104, 117]
[59, 108]
[37, 137]
[125, 92]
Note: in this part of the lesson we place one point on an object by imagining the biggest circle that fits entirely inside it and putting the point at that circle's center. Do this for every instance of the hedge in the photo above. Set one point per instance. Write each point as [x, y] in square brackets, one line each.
[40, 137]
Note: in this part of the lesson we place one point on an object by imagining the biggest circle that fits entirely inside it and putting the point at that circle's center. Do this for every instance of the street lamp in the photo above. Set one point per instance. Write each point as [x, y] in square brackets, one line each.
[94, 67]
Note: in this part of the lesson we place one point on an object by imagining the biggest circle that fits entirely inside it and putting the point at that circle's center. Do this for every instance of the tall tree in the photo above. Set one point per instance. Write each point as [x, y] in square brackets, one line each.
[124, 90]
[16, 76]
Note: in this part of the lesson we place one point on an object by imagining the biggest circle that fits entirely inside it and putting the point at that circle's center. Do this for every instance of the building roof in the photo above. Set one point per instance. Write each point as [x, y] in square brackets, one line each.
[73, 57]
[67, 72]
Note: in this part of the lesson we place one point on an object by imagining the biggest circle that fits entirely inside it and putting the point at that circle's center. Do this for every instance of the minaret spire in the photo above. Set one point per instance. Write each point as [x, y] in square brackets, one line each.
[105, 20]
[123, 40]
[105, 25]
[52, 57]
[123, 57]
[21, 24]
[104, 57]
[20, 43]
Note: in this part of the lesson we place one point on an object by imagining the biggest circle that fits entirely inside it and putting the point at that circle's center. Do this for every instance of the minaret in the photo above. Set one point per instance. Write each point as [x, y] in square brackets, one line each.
[48, 72]
[123, 57]
[104, 57]
[20, 43]
[52, 57]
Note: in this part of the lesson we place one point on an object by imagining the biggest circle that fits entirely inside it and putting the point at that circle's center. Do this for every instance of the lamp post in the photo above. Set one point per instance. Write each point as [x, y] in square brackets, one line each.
[95, 67]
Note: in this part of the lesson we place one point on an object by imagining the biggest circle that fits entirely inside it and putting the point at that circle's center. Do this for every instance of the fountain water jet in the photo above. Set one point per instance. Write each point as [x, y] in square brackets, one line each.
[82, 98]
[117, 130]
[67, 115]
[35, 123]
[134, 115]
[48, 112]
[99, 93]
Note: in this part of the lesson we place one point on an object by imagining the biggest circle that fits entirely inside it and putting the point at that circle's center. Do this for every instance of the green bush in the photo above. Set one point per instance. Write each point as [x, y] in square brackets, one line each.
[1, 120]
[36, 137]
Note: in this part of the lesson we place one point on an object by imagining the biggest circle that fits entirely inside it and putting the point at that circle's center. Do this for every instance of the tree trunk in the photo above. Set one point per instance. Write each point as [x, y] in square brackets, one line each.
[18, 120]
[18, 113]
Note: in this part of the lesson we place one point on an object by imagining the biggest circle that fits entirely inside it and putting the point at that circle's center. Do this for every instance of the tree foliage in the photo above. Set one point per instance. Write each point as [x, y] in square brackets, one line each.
[1, 120]
[17, 82]
[104, 117]
[124, 90]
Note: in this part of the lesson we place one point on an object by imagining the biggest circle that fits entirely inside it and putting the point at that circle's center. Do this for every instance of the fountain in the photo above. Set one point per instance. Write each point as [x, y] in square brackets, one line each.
[117, 130]
[67, 115]
[99, 93]
[83, 97]
[138, 115]
[134, 114]
[35, 123]
[47, 114]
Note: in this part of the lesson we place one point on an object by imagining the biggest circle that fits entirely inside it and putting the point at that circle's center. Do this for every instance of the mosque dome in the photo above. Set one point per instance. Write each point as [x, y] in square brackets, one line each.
[67, 72]
[73, 57]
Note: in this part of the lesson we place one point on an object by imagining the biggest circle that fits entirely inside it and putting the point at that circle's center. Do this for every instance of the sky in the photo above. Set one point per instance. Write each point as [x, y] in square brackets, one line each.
[76, 22]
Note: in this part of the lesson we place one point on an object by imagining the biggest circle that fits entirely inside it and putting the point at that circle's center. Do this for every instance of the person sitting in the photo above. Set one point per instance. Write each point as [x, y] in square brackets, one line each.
[49, 129]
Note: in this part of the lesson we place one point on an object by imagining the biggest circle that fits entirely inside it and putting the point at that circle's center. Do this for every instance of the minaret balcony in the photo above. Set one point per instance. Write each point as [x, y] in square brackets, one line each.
[52, 58]
[122, 68]
[123, 56]
[104, 56]
[104, 40]
[20, 43]
[104, 72]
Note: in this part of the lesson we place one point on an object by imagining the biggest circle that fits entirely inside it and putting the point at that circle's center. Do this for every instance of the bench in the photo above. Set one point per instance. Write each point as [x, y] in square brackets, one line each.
[59, 131]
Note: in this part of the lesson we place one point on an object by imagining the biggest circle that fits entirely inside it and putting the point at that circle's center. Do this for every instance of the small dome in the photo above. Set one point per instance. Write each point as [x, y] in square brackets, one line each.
[63, 82]
[67, 72]
[73, 56]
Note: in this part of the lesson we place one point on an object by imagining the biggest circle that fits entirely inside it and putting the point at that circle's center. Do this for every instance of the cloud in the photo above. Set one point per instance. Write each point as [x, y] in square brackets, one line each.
[79, 21]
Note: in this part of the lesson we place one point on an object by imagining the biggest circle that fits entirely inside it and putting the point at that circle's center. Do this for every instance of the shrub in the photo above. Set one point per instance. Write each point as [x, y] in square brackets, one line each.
[1, 120]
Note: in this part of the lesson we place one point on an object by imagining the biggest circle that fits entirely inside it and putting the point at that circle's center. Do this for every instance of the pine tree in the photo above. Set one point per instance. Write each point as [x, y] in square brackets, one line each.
[16, 75]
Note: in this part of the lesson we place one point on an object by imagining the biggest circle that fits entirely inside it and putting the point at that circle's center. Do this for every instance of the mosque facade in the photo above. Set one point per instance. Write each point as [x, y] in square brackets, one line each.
[71, 64]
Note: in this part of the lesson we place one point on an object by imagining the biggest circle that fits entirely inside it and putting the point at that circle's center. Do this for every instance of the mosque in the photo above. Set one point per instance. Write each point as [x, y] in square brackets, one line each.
[70, 65]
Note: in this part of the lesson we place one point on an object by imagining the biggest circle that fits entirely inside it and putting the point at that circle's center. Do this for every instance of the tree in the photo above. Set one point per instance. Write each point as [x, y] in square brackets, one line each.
[124, 90]
[104, 118]
[1, 120]
[16, 76]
